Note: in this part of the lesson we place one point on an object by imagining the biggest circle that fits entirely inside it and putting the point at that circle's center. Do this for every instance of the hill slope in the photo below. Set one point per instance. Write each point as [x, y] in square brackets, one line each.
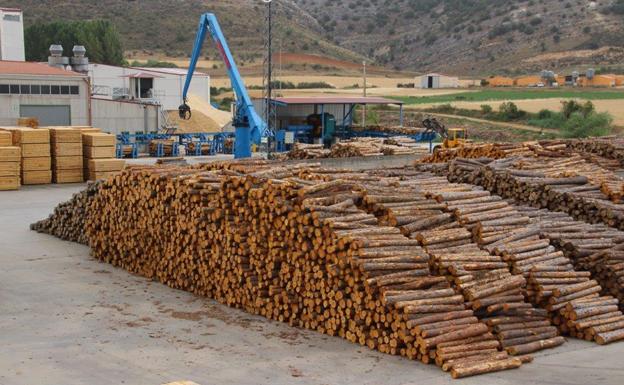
[169, 27]
[474, 36]
[458, 36]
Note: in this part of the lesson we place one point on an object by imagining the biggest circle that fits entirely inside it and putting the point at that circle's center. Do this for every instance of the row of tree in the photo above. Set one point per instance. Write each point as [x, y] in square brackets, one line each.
[100, 38]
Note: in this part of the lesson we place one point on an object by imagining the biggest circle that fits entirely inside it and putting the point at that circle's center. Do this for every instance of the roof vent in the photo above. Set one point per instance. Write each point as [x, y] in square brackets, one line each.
[80, 63]
[56, 59]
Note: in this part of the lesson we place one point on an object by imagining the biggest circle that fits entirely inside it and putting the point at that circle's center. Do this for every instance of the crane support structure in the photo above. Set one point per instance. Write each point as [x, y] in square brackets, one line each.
[248, 125]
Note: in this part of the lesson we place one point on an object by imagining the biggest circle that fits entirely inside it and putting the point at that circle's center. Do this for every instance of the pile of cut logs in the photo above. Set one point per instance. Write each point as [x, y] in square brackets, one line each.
[307, 151]
[607, 147]
[68, 219]
[509, 178]
[398, 130]
[291, 246]
[398, 260]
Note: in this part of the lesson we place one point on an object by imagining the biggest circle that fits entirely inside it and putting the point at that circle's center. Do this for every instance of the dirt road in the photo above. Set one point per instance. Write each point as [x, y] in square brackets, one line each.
[497, 124]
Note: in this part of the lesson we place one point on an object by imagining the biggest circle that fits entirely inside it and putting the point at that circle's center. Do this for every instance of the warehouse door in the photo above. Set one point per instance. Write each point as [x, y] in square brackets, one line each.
[430, 82]
[48, 115]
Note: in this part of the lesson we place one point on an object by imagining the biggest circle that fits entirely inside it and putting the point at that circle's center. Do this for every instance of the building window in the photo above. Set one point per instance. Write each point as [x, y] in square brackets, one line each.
[64, 90]
[55, 90]
[15, 89]
[4, 89]
[25, 89]
[12, 17]
[45, 90]
[35, 89]
[74, 90]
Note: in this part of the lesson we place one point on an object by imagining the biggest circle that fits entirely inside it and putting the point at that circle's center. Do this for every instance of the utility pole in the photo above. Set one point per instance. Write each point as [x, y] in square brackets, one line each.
[269, 112]
[364, 105]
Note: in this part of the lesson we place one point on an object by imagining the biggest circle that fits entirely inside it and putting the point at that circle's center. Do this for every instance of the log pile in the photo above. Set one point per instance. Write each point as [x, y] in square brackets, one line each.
[166, 145]
[483, 279]
[526, 246]
[307, 151]
[398, 130]
[607, 147]
[290, 244]
[357, 147]
[574, 195]
[67, 222]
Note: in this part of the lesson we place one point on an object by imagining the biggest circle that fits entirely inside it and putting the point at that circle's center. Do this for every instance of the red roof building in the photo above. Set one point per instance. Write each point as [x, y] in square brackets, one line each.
[8, 67]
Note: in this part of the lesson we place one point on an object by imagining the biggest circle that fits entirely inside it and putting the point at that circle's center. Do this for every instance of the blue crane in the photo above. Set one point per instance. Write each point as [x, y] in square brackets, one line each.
[247, 123]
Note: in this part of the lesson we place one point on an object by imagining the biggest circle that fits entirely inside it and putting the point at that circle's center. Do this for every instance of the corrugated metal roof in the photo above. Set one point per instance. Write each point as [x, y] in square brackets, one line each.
[335, 100]
[170, 71]
[141, 75]
[8, 67]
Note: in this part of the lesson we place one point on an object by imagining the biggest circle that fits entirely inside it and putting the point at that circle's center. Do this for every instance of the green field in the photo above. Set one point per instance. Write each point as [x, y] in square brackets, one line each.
[513, 94]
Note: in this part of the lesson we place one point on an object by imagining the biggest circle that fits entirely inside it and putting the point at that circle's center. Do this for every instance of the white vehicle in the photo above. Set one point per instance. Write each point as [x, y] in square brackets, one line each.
[540, 85]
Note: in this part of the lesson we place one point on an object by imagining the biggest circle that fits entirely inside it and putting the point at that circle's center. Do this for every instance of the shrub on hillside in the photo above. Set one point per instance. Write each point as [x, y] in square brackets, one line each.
[509, 111]
[581, 126]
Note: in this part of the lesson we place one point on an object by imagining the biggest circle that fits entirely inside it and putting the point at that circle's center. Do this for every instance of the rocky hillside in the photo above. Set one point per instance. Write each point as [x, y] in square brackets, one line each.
[168, 28]
[458, 36]
[475, 36]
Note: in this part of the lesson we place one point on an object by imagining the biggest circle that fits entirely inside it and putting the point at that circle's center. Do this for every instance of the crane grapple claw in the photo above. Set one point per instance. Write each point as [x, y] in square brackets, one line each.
[184, 111]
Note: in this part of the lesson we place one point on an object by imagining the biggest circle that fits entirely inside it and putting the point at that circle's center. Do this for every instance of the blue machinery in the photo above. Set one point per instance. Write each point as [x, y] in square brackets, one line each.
[247, 123]
[196, 144]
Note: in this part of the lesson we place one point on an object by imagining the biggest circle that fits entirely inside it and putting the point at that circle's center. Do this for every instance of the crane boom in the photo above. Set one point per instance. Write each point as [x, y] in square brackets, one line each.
[247, 123]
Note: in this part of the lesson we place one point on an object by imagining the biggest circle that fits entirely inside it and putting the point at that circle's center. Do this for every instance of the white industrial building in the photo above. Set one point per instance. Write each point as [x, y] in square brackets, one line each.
[12, 34]
[55, 96]
[434, 80]
[156, 85]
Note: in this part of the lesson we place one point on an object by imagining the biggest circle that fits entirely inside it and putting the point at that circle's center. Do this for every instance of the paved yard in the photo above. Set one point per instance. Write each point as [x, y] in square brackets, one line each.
[67, 319]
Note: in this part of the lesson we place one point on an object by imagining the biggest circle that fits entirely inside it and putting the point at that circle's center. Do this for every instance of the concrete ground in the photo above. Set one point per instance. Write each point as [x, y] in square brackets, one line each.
[68, 319]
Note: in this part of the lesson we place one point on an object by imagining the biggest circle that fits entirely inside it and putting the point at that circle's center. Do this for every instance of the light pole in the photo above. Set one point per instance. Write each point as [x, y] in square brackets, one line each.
[364, 105]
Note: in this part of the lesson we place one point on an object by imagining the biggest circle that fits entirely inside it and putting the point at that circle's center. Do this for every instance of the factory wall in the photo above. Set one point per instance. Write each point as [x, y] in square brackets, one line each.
[12, 35]
[11, 105]
[109, 81]
[118, 116]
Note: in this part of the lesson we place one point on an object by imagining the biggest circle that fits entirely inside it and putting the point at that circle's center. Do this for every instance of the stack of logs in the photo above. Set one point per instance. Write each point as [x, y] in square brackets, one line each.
[67, 222]
[397, 130]
[484, 280]
[530, 247]
[292, 245]
[307, 151]
[575, 195]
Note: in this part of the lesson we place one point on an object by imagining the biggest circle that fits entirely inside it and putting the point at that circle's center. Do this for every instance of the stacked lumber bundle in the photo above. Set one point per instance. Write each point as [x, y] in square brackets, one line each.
[67, 222]
[10, 157]
[66, 148]
[166, 144]
[399, 130]
[36, 163]
[99, 155]
[28, 122]
[307, 151]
